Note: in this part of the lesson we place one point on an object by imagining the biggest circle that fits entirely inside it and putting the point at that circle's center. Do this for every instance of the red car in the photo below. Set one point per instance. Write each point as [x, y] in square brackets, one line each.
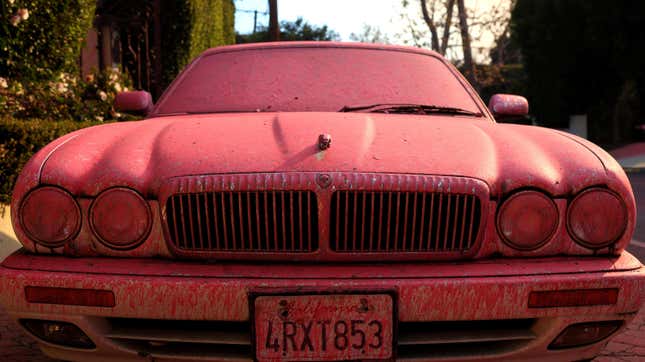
[322, 201]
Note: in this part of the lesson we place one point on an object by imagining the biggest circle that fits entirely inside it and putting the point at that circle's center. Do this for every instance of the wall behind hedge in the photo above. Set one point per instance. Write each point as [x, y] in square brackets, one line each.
[207, 24]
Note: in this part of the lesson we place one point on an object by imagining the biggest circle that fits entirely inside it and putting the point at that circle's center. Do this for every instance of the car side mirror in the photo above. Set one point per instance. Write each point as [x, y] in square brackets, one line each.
[134, 102]
[508, 106]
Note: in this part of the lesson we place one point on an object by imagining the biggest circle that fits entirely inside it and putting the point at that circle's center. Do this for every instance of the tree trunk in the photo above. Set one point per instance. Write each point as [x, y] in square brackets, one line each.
[430, 22]
[446, 29]
[157, 78]
[469, 69]
[274, 29]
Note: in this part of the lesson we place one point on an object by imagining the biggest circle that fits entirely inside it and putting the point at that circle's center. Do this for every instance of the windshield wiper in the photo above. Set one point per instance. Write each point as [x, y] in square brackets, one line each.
[409, 109]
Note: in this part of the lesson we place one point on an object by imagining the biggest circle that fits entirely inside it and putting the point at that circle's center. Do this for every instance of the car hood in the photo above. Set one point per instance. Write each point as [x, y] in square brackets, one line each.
[143, 154]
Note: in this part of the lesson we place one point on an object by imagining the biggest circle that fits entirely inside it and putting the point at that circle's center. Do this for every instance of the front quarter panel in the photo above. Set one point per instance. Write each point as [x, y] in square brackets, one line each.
[29, 178]
[616, 180]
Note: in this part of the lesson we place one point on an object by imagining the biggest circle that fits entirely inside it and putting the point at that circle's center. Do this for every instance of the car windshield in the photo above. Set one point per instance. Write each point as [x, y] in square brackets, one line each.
[303, 79]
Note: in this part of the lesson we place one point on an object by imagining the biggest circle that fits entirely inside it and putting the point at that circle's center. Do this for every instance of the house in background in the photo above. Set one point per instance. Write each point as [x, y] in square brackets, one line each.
[152, 40]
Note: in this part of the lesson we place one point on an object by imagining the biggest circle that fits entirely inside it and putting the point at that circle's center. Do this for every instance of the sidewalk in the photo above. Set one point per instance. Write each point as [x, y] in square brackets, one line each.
[8, 242]
[627, 346]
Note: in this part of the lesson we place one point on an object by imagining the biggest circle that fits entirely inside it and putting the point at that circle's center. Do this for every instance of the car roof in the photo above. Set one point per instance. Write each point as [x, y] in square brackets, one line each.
[318, 44]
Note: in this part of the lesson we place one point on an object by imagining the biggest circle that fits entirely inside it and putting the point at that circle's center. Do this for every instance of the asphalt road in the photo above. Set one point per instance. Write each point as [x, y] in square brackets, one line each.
[637, 246]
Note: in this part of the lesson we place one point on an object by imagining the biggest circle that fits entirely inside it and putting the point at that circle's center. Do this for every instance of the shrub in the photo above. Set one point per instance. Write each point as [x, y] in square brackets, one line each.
[192, 26]
[20, 139]
[40, 43]
[68, 97]
[40, 39]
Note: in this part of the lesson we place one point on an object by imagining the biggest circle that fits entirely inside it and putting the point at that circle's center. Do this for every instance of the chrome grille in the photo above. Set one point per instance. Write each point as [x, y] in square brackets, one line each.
[383, 221]
[253, 221]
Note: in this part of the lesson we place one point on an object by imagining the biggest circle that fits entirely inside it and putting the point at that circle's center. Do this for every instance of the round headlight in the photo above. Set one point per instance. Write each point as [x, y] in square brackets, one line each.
[50, 216]
[120, 218]
[597, 218]
[527, 220]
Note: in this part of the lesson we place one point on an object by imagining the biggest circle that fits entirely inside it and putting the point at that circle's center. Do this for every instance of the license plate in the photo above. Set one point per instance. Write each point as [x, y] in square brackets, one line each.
[323, 327]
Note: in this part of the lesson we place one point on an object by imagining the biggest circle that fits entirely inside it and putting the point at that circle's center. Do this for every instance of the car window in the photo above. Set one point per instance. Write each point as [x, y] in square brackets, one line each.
[313, 79]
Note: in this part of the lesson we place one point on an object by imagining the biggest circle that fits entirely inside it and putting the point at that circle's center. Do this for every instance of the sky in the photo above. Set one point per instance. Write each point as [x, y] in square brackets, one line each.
[343, 16]
[349, 16]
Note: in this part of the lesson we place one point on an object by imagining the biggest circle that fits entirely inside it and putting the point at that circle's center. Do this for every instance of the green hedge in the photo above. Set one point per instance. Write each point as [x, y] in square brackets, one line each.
[39, 39]
[20, 139]
[204, 24]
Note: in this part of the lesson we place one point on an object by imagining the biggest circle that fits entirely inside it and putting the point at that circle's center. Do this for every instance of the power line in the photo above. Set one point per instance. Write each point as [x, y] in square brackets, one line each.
[255, 16]
[252, 11]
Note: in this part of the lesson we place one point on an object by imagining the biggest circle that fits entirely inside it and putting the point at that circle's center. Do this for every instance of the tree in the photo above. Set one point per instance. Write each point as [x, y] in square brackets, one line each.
[290, 31]
[446, 21]
[465, 42]
[505, 50]
[461, 39]
[584, 57]
[370, 34]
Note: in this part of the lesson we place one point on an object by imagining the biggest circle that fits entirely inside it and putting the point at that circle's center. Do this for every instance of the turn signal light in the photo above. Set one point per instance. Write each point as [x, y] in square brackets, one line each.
[582, 334]
[60, 333]
[70, 296]
[597, 218]
[573, 298]
[527, 220]
[120, 218]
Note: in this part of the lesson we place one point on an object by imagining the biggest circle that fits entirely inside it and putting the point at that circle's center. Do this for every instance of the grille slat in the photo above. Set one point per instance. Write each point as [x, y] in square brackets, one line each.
[208, 225]
[463, 223]
[446, 224]
[223, 224]
[472, 218]
[190, 216]
[430, 223]
[199, 221]
[407, 221]
[300, 218]
[284, 227]
[438, 233]
[240, 220]
[414, 220]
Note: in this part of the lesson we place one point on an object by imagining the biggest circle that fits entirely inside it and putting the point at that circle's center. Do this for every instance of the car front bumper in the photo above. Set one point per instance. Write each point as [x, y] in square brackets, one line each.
[481, 306]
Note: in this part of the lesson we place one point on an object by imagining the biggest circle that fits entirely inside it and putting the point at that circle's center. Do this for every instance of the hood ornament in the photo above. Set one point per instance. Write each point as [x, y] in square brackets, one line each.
[324, 141]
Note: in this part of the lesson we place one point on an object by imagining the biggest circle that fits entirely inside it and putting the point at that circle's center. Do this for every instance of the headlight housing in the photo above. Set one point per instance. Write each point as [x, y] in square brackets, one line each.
[597, 218]
[50, 216]
[120, 218]
[527, 220]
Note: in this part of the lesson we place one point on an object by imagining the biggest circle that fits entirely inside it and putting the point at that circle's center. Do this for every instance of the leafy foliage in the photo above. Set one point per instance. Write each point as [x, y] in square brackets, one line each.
[40, 39]
[584, 57]
[40, 43]
[20, 139]
[495, 78]
[192, 26]
[67, 97]
[291, 31]
[370, 34]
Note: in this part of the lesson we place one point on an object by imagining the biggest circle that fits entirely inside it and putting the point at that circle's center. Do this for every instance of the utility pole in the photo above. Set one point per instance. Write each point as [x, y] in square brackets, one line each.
[274, 28]
[255, 20]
